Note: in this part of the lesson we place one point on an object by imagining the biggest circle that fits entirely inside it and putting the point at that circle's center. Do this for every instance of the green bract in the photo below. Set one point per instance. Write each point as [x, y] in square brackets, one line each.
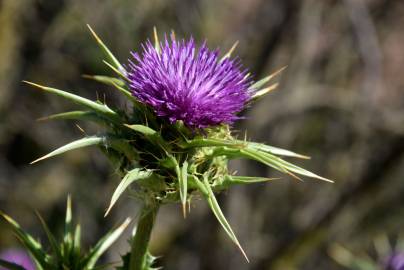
[168, 163]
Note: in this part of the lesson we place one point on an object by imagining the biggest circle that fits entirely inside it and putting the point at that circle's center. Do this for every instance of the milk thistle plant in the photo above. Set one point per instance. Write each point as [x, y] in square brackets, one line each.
[175, 142]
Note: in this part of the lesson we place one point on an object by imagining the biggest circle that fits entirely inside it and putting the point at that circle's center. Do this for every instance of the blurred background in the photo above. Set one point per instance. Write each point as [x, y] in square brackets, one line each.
[340, 101]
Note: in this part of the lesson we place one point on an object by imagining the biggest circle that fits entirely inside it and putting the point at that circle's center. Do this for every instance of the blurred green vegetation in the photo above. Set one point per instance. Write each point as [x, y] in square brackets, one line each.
[340, 101]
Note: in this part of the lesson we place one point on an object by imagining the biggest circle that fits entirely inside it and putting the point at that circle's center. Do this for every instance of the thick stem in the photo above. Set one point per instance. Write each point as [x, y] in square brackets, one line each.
[141, 239]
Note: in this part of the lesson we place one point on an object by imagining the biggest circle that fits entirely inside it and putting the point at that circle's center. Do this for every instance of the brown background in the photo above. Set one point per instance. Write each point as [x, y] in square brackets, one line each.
[340, 101]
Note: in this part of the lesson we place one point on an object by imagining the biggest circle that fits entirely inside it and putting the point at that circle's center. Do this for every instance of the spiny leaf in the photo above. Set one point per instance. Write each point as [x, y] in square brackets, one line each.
[228, 54]
[156, 40]
[264, 91]
[118, 84]
[275, 150]
[277, 163]
[77, 239]
[105, 79]
[211, 142]
[68, 233]
[101, 109]
[296, 169]
[84, 142]
[267, 159]
[103, 244]
[117, 71]
[230, 180]
[239, 144]
[145, 130]
[220, 217]
[130, 177]
[182, 174]
[52, 241]
[261, 157]
[105, 49]
[151, 134]
[199, 185]
[11, 266]
[126, 93]
[255, 151]
[29, 242]
[262, 82]
[75, 115]
[122, 146]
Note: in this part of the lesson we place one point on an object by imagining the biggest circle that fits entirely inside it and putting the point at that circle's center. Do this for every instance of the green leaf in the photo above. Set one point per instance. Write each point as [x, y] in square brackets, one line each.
[68, 233]
[77, 240]
[230, 180]
[52, 241]
[280, 164]
[123, 146]
[239, 144]
[103, 244]
[145, 130]
[213, 204]
[117, 71]
[75, 115]
[150, 134]
[101, 109]
[269, 160]
[11, 266]
[262, 92]
[182, 175]
[228, 54]
[262, 82]
[118, 84]
[34, 247]
[84, 142]
[105, 49]
[126, 93]
[296, 169]
[150, 260]
[105, 79]
[130, 177]
[274, 150]
[156, 40]
[108, 141]
[212, 142]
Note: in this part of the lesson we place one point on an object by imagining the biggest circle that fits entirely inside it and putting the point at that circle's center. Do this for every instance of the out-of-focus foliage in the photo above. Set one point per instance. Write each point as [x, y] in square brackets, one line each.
[340, 101]
[384, 255]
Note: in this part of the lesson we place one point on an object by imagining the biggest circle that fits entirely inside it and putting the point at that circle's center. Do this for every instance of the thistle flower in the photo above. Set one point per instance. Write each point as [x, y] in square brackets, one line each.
[17, 257]
[183, 83]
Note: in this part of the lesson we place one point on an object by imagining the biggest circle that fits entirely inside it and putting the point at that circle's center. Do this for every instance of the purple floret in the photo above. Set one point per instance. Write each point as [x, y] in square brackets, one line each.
[18, 257]
[184, 83]
[395, 262]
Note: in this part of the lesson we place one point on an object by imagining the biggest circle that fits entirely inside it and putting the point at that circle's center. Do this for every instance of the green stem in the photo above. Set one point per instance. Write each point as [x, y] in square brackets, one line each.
[141, 239]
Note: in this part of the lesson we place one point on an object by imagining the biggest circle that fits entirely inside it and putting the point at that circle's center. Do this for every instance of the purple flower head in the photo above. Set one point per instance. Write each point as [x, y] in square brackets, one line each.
[395, 262]
[18, 257]
[184, 83]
